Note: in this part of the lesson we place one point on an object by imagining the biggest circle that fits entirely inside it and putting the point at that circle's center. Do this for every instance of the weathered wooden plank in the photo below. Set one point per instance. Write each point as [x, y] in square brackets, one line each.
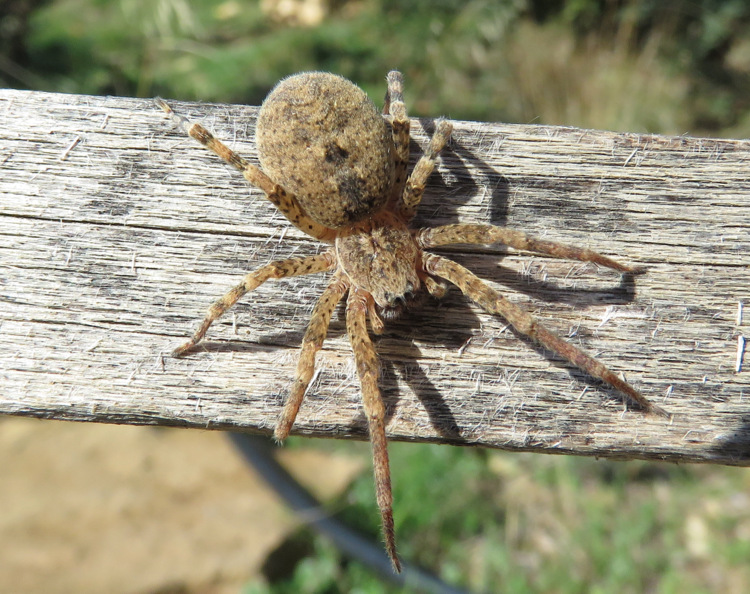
[118, 232]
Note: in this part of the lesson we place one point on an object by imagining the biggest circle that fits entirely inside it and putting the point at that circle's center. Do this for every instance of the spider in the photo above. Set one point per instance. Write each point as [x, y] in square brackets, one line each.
[337, 169]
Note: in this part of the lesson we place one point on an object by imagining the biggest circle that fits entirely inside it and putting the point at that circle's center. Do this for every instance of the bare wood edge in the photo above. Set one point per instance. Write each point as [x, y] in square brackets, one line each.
[90, 185]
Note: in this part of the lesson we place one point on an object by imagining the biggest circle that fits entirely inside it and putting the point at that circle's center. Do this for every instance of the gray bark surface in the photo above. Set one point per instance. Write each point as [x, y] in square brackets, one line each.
[118, 232]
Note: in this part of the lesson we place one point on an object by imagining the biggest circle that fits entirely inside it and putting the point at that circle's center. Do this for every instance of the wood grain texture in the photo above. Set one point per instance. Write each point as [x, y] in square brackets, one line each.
[118, 232]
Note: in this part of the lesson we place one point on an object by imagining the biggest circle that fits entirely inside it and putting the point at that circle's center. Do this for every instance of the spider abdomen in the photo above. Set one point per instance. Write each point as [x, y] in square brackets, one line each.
[321, 138]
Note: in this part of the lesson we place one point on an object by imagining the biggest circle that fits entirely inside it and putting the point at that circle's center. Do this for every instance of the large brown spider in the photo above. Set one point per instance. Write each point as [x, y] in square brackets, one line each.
[336, 168]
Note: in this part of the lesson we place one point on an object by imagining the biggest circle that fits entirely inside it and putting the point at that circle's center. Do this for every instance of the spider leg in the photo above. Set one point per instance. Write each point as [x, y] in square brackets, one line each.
[395, 108]
[486, 234]
[277, 269]
[489, 299]
[367, 370]
[415, 185]
[281, 199]
[311, 344]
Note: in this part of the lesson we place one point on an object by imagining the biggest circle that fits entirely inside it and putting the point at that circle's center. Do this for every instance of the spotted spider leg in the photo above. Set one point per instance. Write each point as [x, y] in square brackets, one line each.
[311, 344]
[415, 185]
[366, 360]
[524, 323]
[395, 111]
[277, 269]
[278, 196]
[486, 234]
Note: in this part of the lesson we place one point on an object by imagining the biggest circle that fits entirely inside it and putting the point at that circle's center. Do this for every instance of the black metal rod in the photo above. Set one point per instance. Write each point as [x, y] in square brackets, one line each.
[258, 451]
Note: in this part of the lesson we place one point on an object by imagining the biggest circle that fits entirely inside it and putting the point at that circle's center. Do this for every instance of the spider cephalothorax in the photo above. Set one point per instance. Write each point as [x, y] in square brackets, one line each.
[336, 168]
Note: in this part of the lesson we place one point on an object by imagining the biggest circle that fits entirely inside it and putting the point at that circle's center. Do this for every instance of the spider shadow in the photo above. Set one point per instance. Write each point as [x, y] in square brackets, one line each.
[469, 182]
[735, 445]
[456, 156]
[429, 395]
[624, 293]
[405, 364]
[234, 345]
[549, 291]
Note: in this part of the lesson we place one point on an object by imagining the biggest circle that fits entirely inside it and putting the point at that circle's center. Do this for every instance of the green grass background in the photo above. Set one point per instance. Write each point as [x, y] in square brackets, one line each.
[484, 520]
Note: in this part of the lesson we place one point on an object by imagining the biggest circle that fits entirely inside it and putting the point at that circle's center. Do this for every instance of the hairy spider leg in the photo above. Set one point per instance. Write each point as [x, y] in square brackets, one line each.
[367, 369]
[285, 201]
[277, 269]
[395, 109]
[415, 184]
[487, 234]
[491, 301]
[311, 344]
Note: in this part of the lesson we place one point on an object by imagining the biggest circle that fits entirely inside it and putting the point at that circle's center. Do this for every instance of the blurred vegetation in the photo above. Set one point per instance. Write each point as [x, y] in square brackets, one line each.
[646, 65]
[517, 523]
[484, 520]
